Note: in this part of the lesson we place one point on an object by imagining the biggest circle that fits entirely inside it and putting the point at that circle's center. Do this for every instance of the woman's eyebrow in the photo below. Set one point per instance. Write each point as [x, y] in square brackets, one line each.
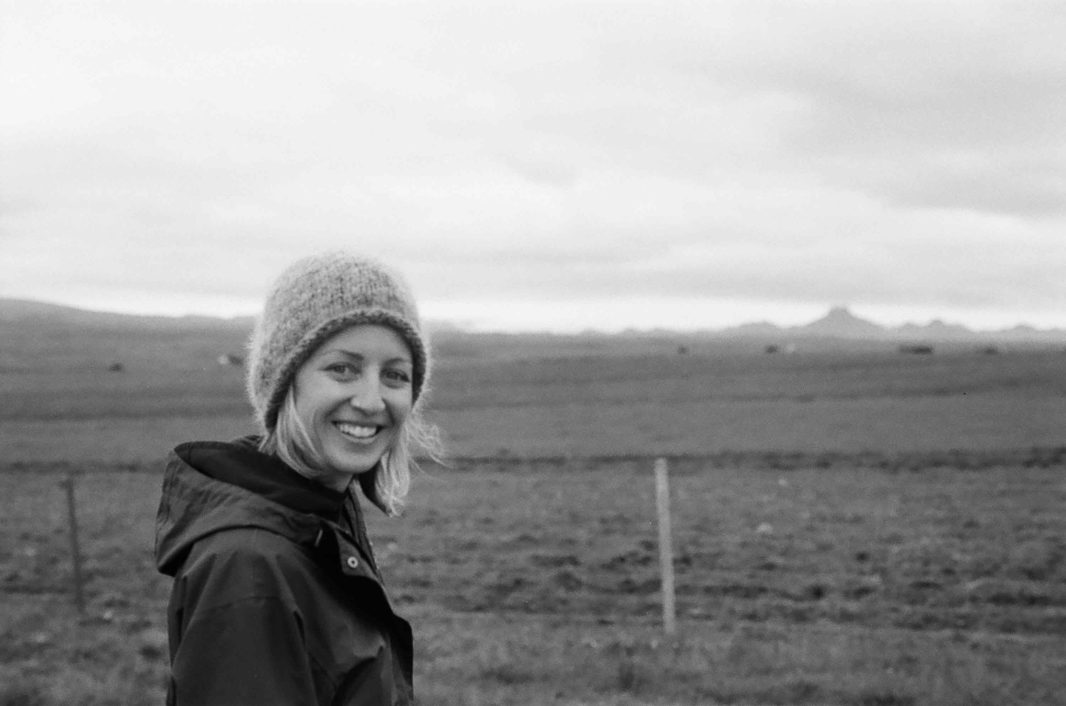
[359, 356]
[342, 351]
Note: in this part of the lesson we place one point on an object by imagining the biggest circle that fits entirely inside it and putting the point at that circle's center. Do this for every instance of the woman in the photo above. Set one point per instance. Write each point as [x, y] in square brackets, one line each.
[276, 596]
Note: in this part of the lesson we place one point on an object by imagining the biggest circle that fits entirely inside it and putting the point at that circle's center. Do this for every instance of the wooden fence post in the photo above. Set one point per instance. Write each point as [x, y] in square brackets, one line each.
[75, 547]
[666, 551]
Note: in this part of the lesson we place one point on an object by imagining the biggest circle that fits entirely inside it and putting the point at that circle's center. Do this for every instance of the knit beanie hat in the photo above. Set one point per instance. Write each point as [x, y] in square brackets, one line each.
[313, 299]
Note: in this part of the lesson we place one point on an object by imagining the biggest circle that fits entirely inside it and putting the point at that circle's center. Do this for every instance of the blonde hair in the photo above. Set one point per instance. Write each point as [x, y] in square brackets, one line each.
[386, 484]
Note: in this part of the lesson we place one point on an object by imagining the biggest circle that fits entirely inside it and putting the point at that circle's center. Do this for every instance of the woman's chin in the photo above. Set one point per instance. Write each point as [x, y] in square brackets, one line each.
[353, 462]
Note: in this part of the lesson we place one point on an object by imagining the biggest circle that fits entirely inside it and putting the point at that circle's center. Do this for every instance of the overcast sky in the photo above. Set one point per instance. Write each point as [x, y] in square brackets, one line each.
[539, 164]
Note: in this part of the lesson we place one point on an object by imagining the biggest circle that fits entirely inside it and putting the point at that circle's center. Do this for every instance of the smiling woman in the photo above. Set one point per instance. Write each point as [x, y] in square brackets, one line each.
[277, 598]
[354, 398]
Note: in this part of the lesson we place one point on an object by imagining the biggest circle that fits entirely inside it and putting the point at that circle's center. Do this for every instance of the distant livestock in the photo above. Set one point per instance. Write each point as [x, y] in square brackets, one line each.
[919, 349]
[116, 368]
[228, 359]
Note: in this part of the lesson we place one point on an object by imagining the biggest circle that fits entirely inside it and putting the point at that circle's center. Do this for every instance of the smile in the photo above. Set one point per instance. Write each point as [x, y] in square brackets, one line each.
[358, 432]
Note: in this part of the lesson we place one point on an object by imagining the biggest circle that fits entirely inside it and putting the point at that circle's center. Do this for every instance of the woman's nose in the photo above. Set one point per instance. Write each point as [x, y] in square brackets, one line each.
[367, 396]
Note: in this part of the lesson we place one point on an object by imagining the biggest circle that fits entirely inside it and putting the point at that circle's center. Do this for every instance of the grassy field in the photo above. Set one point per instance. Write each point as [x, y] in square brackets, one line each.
[639, 399]
[850, 527]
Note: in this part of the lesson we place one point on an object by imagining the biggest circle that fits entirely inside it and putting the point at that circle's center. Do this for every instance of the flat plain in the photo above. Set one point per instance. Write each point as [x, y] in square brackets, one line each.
[851, 525]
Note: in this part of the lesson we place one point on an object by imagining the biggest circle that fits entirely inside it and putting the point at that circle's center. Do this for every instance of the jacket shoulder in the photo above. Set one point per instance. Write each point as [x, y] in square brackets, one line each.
[240, 563]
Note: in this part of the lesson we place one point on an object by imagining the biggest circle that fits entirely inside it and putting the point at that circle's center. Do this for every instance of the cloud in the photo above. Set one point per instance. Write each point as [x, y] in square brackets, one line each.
[764, 151]
[945, 106]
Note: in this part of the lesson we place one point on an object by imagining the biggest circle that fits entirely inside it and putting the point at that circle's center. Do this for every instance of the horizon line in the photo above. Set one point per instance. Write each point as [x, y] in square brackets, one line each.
[445, 325]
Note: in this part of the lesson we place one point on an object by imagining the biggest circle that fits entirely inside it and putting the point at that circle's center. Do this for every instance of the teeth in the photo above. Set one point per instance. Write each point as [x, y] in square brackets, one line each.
[359, 431]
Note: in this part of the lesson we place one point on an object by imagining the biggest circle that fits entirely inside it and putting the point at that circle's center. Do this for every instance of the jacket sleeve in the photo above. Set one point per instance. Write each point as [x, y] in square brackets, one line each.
[247, 652]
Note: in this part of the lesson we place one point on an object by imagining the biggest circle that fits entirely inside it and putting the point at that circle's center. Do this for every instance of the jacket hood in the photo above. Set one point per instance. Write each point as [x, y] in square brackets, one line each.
[195, 504]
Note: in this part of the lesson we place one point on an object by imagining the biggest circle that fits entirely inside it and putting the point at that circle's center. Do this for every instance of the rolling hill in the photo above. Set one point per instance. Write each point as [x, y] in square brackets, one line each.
[35, 319]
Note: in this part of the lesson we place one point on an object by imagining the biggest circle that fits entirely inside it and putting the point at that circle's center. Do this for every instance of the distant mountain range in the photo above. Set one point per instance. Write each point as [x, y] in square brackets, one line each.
[29, 312]
[838, 323]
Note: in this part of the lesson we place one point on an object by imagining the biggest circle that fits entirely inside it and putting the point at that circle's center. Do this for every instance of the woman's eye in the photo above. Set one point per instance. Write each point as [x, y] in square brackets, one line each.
[344, 369]
[397, 376]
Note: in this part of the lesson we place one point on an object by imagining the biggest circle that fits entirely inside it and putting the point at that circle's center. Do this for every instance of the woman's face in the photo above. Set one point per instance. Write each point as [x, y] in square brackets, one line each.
[353, 395]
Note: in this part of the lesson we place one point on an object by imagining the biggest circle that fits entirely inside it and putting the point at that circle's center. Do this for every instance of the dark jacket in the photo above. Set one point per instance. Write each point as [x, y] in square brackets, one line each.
[276, 596]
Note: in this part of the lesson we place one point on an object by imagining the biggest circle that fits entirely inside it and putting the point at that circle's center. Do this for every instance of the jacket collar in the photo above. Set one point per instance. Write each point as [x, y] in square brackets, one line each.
[195, 504]
[241, 463]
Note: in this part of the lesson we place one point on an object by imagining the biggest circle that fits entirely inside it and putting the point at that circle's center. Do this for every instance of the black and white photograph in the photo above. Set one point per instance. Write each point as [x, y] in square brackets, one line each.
[516, 353]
